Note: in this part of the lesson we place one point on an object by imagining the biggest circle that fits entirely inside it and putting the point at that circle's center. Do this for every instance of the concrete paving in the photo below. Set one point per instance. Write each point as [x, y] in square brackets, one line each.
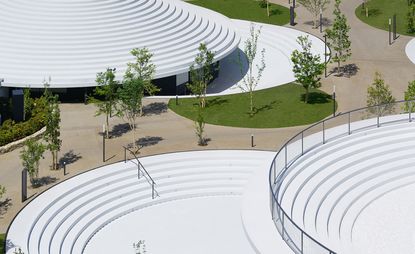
[169, 132]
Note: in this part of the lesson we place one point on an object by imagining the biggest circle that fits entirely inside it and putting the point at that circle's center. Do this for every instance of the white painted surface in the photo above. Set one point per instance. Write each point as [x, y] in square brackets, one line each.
[410, 50]
[200, 225]
[71, 41]
[353, 193]
[206, 186]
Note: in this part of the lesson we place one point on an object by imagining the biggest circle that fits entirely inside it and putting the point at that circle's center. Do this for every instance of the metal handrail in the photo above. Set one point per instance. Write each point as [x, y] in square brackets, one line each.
[141, 168]
[275, 178]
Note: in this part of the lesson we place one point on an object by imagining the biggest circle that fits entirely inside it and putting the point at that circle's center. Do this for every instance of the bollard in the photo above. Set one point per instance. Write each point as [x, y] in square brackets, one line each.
[252, 140]
[64, 168]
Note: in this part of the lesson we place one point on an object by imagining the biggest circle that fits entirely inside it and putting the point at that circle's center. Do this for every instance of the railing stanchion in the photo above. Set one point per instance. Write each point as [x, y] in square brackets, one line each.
[125, 154]
[410, 111]
[302, 242]
[324, 133]
[349, 125]
[286, 163]
[282, 227]
[378, 113]
[302, 143]
[152, 190]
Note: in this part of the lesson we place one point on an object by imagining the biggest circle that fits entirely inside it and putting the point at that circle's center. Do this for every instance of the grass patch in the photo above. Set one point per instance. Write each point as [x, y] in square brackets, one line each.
[247, 10]
[280, 106]
[2, 237]
[381, 10]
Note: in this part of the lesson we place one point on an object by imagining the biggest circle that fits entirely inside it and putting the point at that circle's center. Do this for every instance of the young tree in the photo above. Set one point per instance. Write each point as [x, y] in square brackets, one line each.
[315, 7]
[52, 122]
[142, 69]
[106, 92]
[379, 94]
[130, 97]
[338, 37]
[250, 80]
[200, 128]
[31, 155]
[28, 103]
[307, 67]
[201, 73]
[410, 97]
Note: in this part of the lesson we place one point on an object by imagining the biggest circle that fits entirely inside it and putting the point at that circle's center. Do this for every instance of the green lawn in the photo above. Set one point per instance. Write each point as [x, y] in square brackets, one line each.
[247, 10]
[381, 10]
[2, 236]
[280, 106]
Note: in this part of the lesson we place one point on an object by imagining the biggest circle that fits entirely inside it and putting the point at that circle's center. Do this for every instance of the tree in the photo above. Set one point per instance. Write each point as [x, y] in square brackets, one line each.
[52, 122]
[200, 128]
[410, 97]
[410, 20]
[307, 67]
[106, 93]
[315, 7]
[338, 37]
[379, 94]
[28, 103]
[201, 73]
[30, 156]
[142, 69]
[130, 97]
[250, 81]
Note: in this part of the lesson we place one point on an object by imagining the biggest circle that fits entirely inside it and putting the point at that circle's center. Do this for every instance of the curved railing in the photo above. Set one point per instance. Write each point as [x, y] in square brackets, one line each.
[315, 135]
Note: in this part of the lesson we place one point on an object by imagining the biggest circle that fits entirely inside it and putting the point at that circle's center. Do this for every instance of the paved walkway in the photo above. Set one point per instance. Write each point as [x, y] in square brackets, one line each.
[169, 132]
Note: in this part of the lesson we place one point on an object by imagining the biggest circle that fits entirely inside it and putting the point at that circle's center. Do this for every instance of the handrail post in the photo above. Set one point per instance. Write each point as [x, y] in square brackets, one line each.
[125, 154]
[410, 111]
[152, 190]
[324, 133]
[286, 162]
[378, 124]
[349, 124]
[302, 143]
[302, 242]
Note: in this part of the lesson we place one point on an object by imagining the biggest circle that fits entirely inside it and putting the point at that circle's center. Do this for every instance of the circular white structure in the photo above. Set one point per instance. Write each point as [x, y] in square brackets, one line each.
[353, 192]
[108, 209]
[410, 50]
[70, 41]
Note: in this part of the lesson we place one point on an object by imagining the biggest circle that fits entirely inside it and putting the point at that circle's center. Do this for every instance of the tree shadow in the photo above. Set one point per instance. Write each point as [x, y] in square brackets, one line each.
[155, 108]
[273, 12]
[374, 12]
[148, 141]
[5, 205]
[266, 107]
[325, 21]
[119, 129]
[69, 158]
[216, 101]
[347, 70]
[316, 98]
[46, 180]
[205, 142]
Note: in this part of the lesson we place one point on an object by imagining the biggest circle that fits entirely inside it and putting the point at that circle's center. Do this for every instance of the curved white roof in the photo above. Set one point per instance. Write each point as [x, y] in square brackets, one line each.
[72, 40]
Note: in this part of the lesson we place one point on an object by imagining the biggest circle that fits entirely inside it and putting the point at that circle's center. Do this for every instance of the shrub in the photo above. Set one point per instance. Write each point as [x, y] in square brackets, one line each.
[11, 131]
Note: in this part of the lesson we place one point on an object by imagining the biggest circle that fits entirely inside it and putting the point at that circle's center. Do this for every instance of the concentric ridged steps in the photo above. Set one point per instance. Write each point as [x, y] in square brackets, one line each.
[327, 189]
[71, 213]
[73, 40]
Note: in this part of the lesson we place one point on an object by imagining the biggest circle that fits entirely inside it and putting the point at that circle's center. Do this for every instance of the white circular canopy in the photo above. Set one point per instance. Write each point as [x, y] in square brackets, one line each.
[71, 40]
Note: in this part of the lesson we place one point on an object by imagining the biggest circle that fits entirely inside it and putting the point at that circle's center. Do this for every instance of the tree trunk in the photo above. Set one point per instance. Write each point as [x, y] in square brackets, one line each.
[107, 127]
[252, 102]
[338, 66]
[268, 8]
[306, 96]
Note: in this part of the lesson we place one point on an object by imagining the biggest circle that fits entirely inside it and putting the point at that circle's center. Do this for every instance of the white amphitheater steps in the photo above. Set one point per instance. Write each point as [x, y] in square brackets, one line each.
[66, 218]
[326, 190]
